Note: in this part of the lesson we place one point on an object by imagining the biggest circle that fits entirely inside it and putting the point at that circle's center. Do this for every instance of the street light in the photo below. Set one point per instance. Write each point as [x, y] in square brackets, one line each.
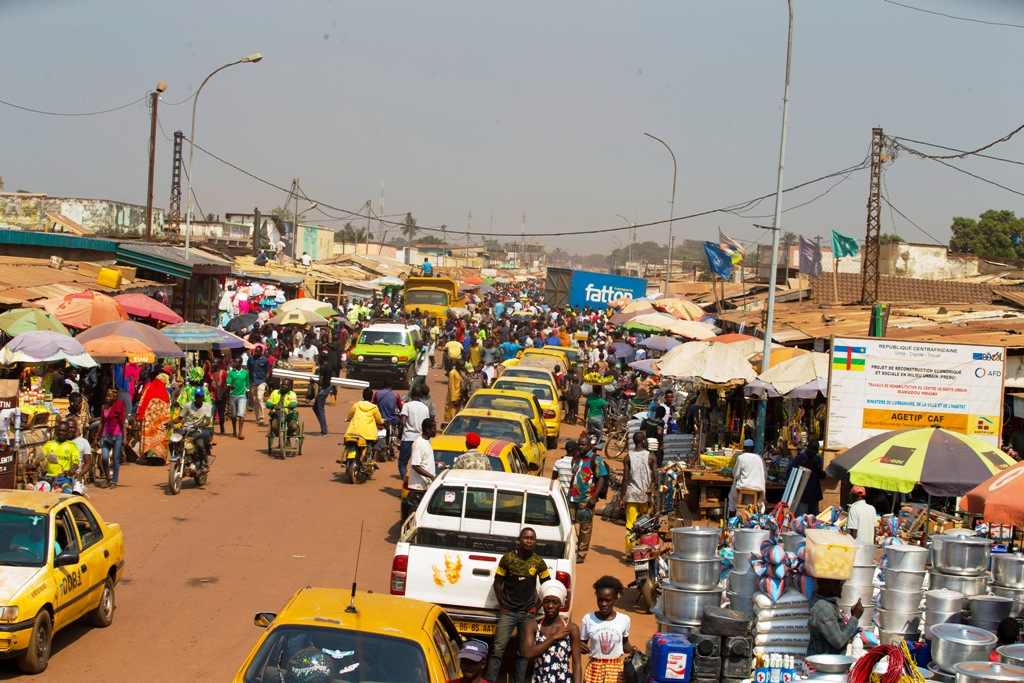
[191, 143]
[632, 234]
[671, 211]
[618, 244]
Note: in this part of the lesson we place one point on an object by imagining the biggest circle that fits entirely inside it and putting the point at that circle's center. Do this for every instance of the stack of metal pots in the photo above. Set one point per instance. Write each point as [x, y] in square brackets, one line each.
[899, 602]
[693, 581]
[1008, 580]
[954, 644]
[961, 565]
[860, 585]
[941, 606]
[741, 583]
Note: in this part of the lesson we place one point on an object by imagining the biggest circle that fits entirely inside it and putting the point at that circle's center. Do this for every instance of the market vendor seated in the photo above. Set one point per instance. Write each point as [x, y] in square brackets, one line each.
[830, 632]
[60, 454]
[290, 402]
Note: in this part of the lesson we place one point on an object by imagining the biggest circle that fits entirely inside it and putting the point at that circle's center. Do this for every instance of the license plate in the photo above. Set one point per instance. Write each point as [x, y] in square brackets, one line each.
[641, 566]
[474, 627]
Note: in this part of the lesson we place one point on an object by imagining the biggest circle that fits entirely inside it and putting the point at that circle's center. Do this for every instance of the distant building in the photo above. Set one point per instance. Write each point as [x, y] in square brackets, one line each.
[528, 255]
[97, 217]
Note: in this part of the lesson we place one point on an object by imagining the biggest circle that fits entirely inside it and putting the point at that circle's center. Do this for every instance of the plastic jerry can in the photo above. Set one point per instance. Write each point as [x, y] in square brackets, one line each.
[109, 277]
[671, 658]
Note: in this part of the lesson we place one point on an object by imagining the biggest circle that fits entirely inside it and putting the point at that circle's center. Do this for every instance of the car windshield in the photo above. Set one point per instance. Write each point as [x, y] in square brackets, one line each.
[449, 458]
[512, 404]
[298, 653]
[382, 338]
[426, 296]
[525, 371]
[24, 537]
[541, 391]
[487, 427]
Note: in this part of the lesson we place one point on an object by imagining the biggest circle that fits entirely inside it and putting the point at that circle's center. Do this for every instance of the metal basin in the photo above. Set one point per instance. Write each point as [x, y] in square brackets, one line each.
[830, 664]
[861, 576]
[681, 605]
[899, 622]
[1015, 594]
[695, 542]
[743, 583]
[964, 556]
[898, 601]
[911, 558]
[684, 572]
[865, 556]
[936, 618]
[943, 600]
[741, 603]
[749, 540]
[1011, 654]
[850, 594]
[953, 644]
[666, 626]
[965, 585]
[905, 581]
[991, 608]
[987, 672]
[1008, 570]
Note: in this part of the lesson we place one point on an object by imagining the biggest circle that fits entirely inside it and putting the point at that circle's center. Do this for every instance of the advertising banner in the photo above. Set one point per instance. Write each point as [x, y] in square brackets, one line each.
[878, 385]
[597, 290]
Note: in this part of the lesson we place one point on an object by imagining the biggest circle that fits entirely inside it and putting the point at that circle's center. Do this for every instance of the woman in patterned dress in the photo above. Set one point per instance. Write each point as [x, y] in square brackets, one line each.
[554, 642]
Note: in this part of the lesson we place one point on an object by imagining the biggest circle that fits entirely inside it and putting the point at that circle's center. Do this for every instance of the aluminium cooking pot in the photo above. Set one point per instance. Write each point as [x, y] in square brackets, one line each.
[906, 558]
[899, 622]
[965, 555]
[956, 643]
[990, 608]
[899, 601]
[1011, 654]
[1008, 570]
[684, 572]
[935, 618]
[943, 600]
[683, 606]
[903, 580]
[749, 540]
[987, 672]
[965, 585]
[696, 542]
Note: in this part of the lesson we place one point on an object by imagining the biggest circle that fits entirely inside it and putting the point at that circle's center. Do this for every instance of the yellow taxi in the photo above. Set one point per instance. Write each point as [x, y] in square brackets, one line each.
[502, 426]
[547, 396]
[522, 402]
[325, 635]
[571, 354]
[549, 352]
[504, 456]
[59, 561]
[533, 371]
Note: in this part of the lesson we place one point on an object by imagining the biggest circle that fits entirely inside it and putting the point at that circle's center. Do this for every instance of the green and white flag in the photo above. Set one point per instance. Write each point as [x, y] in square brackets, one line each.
[843, 245]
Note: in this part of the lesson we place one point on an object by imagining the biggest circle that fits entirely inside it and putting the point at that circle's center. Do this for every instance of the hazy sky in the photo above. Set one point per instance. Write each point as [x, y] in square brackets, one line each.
[527, 107]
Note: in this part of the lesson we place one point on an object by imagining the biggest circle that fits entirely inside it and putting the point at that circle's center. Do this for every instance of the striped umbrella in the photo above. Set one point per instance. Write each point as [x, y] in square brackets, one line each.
[195, 337]
[945, 463]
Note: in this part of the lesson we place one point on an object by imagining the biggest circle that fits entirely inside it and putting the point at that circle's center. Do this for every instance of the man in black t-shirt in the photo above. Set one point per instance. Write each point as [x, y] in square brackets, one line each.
[515, 586]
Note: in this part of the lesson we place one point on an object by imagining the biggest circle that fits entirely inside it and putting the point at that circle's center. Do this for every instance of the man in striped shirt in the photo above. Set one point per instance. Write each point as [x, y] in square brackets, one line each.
[830, 632]
[562, 471]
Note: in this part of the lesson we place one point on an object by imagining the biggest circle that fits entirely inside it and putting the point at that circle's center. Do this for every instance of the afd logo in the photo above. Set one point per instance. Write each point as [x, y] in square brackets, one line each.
[997, 356]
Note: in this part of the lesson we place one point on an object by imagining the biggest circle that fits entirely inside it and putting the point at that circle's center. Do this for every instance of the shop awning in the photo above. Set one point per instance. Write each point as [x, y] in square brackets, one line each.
[171, 260]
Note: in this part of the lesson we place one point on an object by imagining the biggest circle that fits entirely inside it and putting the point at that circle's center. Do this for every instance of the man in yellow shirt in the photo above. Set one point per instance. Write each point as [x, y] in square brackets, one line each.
[290, 403]
[452, 353]
[364, 419]
[453, 401]
[60, 455]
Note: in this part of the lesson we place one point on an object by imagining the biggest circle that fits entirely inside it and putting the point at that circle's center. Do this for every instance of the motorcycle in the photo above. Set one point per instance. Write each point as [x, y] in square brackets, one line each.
[359, 460]
[646, 555]
[185, 460]
[386, 448]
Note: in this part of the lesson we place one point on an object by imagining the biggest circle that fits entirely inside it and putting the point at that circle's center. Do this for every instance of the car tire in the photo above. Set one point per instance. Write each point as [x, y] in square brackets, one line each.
[37, 656]
[103, 615]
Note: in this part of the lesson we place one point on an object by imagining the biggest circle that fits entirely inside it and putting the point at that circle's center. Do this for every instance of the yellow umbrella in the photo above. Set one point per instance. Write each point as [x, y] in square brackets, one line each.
[681, 308]
[637, 307]
[778, 355]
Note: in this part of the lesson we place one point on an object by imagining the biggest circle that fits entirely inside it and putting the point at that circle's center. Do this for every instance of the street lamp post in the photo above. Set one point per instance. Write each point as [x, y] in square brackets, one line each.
[632, 234]
[253, 58]
[672, 208]
[154, 101]
[618, 247]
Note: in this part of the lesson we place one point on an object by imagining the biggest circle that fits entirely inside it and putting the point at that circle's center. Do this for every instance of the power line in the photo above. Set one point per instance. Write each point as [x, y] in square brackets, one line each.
[959, 151]
[978, 177]
[951, 16]
[88, 113]
[896, 141]
[886, 200]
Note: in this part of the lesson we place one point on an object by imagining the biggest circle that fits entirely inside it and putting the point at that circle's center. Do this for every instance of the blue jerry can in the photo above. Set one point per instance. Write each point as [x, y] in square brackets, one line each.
[671, 658]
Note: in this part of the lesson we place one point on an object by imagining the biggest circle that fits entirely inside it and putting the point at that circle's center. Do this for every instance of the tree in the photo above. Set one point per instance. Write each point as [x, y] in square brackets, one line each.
[282, 214]
[996, 233]
[409, 228]
[350, 233]
[890, 238]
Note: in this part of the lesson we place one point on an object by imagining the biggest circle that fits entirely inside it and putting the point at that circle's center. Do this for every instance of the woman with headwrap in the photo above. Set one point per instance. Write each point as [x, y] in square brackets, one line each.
[155, 413]
[553, 641]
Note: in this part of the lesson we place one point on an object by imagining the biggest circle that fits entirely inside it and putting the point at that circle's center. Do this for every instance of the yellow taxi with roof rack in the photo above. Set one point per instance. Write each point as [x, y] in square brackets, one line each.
[59, 561]
[502, 426]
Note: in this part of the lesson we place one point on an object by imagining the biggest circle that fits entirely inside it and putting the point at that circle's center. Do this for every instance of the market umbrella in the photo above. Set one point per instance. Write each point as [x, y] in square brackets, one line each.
[196, 337]
[489, 281]
[487, 289]
[712, 363]
[45, 346]
[142, 306]
[83, 310]
[302, 305]
[298, 316]
[117, 349]
[999, 500]
[945, 463]
[796, 372]
[638, 306]
[18, 320]
[692, 329]
[646, 365]
[779, 355]
[158, 342]
[241, 322]
[749, 348]
[650, 322]
[392, 281]
[473, 280]
[681, 308]
[659, 343]
[732, 338]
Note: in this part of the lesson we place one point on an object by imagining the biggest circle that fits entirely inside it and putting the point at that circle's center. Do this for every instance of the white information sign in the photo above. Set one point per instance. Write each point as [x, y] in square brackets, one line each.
[878, 385]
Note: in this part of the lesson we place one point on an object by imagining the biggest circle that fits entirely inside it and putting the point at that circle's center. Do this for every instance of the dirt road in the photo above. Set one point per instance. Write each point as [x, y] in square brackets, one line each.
[202, 563]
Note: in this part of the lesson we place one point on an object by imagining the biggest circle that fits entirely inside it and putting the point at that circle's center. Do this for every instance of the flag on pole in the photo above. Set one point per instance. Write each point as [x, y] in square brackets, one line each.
[843, 245]
[718, 261]
[731, 247]
[810, 258]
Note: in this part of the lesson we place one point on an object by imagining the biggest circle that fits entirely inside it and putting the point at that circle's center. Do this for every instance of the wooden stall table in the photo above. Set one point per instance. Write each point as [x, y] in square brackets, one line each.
[713, 492]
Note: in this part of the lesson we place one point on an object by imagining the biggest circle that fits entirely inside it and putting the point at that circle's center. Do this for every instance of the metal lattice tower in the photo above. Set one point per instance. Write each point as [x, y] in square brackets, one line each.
[174, 210]
[869, 262]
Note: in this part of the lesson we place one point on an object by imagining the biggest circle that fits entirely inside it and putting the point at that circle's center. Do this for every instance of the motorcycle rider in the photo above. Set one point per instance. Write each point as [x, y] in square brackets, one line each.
[364, 419]
[199, 414]
[290, 403]
[194, 383]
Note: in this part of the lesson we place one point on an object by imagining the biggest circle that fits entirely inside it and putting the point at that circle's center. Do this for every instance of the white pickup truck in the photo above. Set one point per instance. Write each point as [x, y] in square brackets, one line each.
[467, 520]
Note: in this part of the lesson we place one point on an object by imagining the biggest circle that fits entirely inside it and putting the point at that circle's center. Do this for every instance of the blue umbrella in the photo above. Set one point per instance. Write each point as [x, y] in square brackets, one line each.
[659, 343]
[646, 365]
[195, 337]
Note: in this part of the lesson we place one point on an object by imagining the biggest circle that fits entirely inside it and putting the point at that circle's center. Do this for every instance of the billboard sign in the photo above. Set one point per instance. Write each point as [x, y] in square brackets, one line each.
[878, 385]
[597, 290]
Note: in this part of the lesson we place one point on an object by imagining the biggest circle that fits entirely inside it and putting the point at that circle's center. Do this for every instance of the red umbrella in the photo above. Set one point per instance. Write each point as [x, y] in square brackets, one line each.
[473, 280]
[1000, 500]
[142, 306]
[730, 338]
[83, 310]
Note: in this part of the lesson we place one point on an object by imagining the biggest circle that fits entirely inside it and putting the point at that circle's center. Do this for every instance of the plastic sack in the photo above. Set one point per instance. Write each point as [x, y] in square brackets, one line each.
[773, 552]
[772, 587]
[759, 567]
[779, 571]
[789, 599]
[636, 668]
[806, 585]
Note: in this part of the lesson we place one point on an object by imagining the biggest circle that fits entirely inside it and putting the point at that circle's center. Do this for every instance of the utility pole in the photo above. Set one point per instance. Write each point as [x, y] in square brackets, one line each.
[154, 99]
[380, 221]
[295, 217]
[257, 243]
[872, 248]
[369, 210]
[174, 208]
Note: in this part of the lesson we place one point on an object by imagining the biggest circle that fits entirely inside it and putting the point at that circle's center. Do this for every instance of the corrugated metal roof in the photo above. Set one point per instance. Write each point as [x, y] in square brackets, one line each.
[56, 240]
[171, 260]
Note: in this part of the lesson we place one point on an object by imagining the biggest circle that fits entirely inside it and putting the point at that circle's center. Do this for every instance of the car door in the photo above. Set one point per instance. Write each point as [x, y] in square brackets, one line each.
[518, 461]
[93, 558]
[71, 588]
[533, 446]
